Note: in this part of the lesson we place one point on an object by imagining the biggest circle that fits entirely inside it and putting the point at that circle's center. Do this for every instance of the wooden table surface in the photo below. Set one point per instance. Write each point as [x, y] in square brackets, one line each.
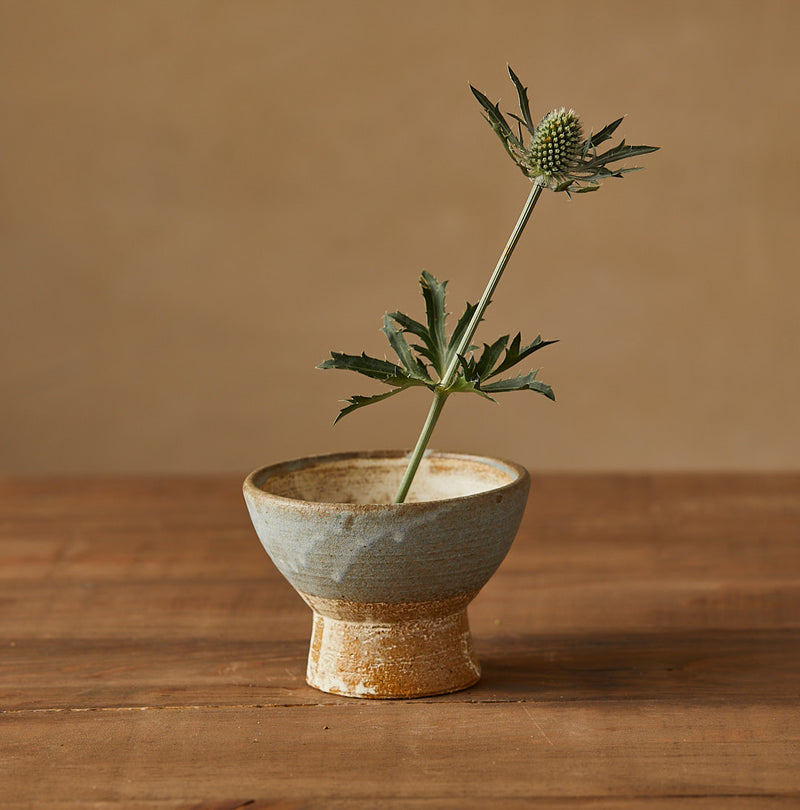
[640, 647]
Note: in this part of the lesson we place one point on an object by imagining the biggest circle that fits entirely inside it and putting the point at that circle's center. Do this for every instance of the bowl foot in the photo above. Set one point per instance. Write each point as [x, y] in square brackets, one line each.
[384, 650]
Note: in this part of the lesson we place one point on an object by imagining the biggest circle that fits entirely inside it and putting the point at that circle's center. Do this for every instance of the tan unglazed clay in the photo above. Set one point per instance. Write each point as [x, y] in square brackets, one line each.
[381, 650]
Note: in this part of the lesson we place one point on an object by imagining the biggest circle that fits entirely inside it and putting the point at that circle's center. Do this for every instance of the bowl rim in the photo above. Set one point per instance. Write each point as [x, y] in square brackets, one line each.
[253, 491]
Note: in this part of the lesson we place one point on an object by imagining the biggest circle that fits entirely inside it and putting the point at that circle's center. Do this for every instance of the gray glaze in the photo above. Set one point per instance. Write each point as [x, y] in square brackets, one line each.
[441, 544]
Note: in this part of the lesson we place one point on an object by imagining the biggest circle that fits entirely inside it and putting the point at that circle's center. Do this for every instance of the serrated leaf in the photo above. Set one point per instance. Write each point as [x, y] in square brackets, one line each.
[398, 343]
[467, 371]
[524, 105]
[511, 143]
[467, 386]
[408, 324]
[522, 382]
[489, 357]
[357, 401]
[604, 134]
[620, 152]
[382, 370]
[520, 121]
[495, 117]
[516, 353]
[461, 327]
[433, 292]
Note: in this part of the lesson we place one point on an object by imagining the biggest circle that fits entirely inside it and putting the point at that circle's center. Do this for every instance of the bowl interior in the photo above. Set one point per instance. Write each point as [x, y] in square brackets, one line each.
[375, 478]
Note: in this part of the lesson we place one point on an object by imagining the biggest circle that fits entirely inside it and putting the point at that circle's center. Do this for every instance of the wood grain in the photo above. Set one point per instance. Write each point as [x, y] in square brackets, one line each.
[640, 647]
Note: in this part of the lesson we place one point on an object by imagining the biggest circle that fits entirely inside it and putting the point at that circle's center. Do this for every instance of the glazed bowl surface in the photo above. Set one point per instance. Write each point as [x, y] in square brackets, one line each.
[328, 524]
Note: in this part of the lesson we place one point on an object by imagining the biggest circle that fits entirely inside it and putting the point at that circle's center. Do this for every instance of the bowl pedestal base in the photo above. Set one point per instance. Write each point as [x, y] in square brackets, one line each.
[388, 650]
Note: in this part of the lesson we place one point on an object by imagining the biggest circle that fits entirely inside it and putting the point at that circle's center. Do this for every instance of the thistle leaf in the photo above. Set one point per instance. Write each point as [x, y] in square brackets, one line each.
[357, 401]
[468, 368]
[382, 370]
[489, 356]
[619, 152]
[524, 105]
[434, 293]
[522, 382]
[461, 327]
[466, 386]
[408, 324]
[516, 353]
[604, 134]
[627, 170]
[403, 351]
[511, 143]
[495, 118]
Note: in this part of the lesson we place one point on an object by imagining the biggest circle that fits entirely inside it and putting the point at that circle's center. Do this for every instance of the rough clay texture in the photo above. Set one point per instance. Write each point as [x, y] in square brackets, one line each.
[388, 583]
[391, 650]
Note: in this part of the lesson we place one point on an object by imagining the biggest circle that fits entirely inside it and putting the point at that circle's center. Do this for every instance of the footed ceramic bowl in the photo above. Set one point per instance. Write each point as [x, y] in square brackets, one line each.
[388, 583]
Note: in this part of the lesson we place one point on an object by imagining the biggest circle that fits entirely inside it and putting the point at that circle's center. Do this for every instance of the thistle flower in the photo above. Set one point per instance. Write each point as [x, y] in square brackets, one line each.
[555, 156]
[555, 146]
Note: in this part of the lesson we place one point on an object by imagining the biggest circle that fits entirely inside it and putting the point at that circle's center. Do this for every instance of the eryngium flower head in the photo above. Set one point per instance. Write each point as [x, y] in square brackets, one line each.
[555, 146]
[555, 156]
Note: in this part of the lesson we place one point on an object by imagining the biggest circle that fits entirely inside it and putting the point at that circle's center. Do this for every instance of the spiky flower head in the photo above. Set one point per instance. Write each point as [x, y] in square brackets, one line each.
[556, 157]
[555, 146]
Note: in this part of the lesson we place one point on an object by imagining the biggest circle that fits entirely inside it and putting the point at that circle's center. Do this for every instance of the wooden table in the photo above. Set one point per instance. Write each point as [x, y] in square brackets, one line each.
[640, 647]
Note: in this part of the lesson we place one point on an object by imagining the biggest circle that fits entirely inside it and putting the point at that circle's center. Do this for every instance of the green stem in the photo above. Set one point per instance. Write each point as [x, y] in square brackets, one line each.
[441, 392]
[486, 298]
[439, 398]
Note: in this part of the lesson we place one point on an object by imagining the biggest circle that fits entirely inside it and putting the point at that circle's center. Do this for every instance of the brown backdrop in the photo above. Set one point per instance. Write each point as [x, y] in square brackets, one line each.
[201, 199]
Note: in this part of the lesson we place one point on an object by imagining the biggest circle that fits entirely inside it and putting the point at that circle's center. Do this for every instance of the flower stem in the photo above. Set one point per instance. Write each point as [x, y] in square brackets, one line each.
[527, 209]
[439, 398]
[441, 393]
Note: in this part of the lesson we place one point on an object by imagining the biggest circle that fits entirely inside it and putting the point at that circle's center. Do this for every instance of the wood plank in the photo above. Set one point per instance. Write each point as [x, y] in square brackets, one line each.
[133, 529]
[511, 604]
[640, 645]
[410, 803]
[399, 750]
[694, 667]
[120, 528]
[203, 573]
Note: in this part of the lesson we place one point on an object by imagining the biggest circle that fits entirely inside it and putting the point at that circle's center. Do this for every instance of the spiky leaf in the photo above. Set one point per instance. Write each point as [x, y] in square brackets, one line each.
[382, 370]
[403, 351]
[619, 152]
[512, 144]
[603, 135]
[357, 401]
[433, 292]
[461, 385]
[522, 382]
[458, 332]
[516, 353]
[489, 356]
[473, 373]
[428, 350]
[524, 104]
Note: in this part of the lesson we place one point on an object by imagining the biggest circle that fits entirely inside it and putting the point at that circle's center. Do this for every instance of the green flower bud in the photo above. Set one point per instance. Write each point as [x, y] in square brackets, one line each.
[556, 143]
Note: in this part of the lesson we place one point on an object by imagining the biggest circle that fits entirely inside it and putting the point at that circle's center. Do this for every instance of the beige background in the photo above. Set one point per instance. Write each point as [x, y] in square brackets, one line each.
[198, 200]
